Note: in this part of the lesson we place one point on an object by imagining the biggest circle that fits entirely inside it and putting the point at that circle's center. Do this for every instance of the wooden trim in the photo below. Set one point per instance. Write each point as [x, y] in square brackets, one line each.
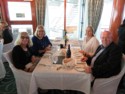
[33, 11]
[116, 18]
[33, 8]
[64, 15]
[2, 9]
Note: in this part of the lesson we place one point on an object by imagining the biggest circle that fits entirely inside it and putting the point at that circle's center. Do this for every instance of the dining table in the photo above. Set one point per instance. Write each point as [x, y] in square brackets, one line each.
[47, 75]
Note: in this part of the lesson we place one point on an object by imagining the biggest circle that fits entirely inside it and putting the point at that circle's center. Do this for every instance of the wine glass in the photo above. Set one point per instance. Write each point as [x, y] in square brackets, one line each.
[53, 50]
[54, 59]
[58, 48]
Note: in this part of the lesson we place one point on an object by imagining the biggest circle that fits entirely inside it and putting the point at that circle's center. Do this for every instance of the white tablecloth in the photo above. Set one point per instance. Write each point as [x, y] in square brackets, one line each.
[46, 77]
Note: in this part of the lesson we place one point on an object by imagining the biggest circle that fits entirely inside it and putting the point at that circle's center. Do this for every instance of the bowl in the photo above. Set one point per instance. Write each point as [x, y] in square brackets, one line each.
[69, 63]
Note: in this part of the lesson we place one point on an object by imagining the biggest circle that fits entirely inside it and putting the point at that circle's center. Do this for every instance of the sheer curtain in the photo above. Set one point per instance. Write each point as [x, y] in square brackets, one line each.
[85, 18]
[94, 12]
[40, 11]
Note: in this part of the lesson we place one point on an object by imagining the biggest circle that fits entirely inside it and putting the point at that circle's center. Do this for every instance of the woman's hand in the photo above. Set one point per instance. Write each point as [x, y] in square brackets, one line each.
[42, 51]
[31, 68]
[48, 48]
[35, 59]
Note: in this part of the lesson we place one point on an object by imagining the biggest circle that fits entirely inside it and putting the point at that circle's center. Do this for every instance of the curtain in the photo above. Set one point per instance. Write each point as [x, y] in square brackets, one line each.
[40, 11]
[116, 18]
[85, 18]
[94, 12]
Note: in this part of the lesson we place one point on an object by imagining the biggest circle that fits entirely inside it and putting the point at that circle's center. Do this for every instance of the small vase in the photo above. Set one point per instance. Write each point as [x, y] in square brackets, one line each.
[66, 42]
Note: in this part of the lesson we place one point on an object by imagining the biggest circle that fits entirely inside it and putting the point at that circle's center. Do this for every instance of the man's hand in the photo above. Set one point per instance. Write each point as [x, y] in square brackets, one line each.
[84, 59]
[87, 69]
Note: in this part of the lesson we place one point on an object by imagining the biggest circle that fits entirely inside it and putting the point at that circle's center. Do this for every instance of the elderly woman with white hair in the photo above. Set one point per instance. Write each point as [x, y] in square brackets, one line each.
[22, 55]
[41, 42]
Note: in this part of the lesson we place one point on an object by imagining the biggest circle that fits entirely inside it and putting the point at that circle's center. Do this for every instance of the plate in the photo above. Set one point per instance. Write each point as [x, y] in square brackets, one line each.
[69, 63]
[80, 69]
[78, 55]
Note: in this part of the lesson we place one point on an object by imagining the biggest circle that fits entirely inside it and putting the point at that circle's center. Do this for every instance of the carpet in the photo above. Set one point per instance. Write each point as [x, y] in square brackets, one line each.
[7, 84]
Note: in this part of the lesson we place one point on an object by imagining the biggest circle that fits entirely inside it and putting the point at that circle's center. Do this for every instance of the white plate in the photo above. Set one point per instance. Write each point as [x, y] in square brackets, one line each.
[78, 55]
[80, 69]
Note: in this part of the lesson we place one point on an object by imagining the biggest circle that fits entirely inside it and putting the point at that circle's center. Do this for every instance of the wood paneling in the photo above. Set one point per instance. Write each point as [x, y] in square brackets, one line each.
[33, 11]
[3, 9]
[116, 18]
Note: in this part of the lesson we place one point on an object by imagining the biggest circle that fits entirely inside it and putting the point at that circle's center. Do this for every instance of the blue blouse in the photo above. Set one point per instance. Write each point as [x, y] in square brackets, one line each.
[40, 44]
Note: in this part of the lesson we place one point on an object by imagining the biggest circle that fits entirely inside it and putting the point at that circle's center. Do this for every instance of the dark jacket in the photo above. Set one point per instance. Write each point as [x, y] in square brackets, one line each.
[121, 40]
[7, 36]
[21, 57]
[108, 63]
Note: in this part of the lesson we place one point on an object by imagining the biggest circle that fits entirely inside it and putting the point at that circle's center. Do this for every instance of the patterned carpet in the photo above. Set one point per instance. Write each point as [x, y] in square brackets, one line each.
[8, 86]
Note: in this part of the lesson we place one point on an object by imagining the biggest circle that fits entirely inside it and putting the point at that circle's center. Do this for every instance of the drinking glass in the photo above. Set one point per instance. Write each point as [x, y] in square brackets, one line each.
[54, 49]
[58, 48]
[54, 59]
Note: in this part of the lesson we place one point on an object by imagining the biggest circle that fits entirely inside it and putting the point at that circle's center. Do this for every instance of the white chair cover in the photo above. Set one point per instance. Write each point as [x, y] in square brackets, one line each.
[22, 78]
[7, 47]
[108, 85]
[2, 68]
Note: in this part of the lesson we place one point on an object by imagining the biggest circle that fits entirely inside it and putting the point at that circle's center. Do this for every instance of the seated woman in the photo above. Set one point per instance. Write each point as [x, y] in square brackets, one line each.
[5, 32]
[90, 43]
[22, 55]
[41, 42]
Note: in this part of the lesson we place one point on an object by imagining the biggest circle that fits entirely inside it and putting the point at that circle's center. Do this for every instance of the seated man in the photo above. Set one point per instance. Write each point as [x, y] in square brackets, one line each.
[106, 61]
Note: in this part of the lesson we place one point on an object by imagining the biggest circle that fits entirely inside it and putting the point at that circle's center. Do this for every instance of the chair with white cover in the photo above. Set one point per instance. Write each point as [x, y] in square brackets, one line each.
[22, 78]
[2, 68]
[7, 47]
[108, 85]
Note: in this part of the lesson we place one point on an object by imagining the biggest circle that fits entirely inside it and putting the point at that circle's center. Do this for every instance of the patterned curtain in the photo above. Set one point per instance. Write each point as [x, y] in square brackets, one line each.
[94, 12]
[40, 11]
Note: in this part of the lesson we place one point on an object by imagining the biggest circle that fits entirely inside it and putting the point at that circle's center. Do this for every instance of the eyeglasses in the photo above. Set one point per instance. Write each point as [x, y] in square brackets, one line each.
[24, 37]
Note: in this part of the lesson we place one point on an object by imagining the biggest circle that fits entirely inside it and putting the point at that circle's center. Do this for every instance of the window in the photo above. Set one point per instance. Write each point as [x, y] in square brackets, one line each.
[21, 16]
[20, 28]
[18, 11]
[54, 24]
[105, 18]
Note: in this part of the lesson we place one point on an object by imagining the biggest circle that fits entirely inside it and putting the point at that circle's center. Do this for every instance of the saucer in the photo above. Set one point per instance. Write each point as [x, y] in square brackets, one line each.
[80, 69]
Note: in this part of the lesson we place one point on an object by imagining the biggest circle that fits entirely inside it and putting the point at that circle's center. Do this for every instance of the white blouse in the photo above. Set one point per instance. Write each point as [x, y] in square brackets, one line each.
[91, 45]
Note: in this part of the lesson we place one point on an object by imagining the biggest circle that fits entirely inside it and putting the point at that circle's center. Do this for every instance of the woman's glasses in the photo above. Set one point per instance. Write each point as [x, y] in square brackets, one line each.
[24, 37]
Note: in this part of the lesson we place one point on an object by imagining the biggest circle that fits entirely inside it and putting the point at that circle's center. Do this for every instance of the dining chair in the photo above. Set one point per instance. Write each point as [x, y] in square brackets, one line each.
[22, 78]
[2, 68]
[7, 47]
[108, 85]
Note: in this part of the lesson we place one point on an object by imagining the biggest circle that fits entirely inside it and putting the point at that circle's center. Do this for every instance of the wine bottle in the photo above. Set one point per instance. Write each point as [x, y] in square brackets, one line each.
[68, 53]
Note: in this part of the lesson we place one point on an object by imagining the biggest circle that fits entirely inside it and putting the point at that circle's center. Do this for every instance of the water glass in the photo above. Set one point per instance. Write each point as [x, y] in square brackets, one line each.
[54, 59]
[58, 48]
